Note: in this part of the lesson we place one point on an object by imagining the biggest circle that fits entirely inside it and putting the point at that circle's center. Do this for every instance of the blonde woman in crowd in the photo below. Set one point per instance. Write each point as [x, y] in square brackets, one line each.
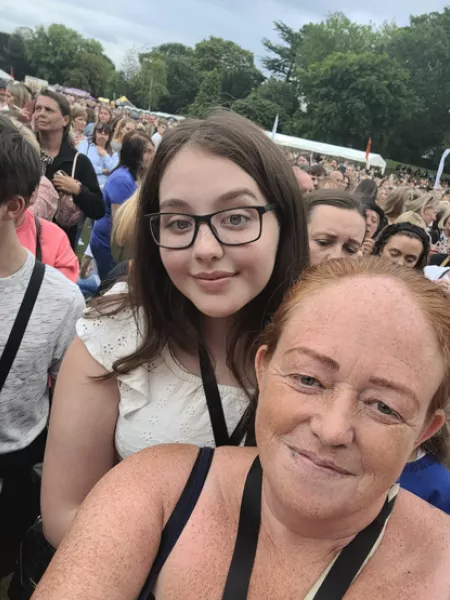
[123, 229]
[394, 204]
[412, 218]
[425, 206]
[122, 127]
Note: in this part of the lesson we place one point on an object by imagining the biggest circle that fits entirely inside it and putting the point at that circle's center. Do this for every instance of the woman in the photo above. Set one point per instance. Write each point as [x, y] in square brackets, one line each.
[79, 122]
[104, 116]
[425, 206]
[122, 234]
[367, 190]
[136, 154]
[100, 153]
[404, 244]
[71, 173]
[122, 128]
[208, 301]
[376, 221]
[336, 225]
[18, 99]
[395, 202]
[314, 511]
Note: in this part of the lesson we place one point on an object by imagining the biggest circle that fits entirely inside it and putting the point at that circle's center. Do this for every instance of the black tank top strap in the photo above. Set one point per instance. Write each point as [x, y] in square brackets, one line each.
[178, 519]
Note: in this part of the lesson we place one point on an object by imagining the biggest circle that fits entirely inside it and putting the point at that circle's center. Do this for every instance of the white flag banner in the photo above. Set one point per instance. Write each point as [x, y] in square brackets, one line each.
[275, 126]
[441, 168]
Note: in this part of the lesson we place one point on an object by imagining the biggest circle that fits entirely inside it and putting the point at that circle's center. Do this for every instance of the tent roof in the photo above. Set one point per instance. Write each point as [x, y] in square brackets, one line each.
[5, 75]
[327, 149]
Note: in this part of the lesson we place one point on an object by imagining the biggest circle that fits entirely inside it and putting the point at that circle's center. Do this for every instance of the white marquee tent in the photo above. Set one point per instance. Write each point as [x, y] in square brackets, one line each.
[4, 75]
[375, 160]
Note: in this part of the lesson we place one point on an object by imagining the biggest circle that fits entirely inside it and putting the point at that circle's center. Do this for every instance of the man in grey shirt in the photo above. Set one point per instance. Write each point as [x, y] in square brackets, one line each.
[24, 397]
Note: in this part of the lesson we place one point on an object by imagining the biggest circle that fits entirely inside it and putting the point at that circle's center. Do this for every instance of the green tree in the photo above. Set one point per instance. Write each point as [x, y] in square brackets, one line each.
[351, 97]
[235, 65]
[183, 77]
[13, 53]
[151, 81]
[281, 93]
[209, 95]
[283, 64]
[423, 49]
[257, 109]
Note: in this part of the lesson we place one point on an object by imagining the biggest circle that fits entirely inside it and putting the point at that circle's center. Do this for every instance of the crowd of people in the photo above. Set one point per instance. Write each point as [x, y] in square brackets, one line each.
[241, 389]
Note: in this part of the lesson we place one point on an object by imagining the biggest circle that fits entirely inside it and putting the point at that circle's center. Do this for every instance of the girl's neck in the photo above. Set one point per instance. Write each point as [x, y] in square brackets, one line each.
[215, 334]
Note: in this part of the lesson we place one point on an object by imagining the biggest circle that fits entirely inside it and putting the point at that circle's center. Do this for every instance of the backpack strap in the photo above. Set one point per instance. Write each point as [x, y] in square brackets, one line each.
[20, 324]
[38, 253]
[443, 274]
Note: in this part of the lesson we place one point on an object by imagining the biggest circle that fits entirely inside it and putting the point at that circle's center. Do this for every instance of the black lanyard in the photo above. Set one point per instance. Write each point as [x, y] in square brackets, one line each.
[341, 574]
[215, 408]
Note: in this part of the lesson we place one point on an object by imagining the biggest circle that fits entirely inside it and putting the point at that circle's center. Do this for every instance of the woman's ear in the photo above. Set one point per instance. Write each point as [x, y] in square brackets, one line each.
[260, 364]
[434, 424]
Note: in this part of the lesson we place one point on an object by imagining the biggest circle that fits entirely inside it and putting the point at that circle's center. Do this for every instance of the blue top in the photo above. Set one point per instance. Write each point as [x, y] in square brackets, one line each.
[429, 480]
[100, 163]
[119, 187]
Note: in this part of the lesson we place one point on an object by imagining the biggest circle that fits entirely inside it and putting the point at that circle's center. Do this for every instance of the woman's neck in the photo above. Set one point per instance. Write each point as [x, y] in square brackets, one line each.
[215, 334]
[51, 142]
[288, 529]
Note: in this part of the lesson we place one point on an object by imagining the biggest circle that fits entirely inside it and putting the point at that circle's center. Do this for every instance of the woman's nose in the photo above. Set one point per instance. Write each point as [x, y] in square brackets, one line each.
[333, 424]
[206, 246]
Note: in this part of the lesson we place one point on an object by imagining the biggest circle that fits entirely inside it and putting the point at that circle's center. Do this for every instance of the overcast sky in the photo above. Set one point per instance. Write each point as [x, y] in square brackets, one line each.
[119, 24]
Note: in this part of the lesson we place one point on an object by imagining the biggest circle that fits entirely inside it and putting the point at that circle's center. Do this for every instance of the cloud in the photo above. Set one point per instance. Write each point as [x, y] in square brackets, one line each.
[119, 24]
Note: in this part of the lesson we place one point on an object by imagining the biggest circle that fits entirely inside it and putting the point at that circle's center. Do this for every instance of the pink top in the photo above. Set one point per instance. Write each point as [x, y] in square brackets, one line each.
[55, 245]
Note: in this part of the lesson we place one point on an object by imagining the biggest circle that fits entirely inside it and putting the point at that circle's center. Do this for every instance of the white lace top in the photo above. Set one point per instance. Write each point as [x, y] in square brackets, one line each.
[160, 403]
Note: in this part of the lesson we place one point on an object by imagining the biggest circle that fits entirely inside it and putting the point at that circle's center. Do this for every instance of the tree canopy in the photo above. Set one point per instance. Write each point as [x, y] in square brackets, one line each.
[337, 80]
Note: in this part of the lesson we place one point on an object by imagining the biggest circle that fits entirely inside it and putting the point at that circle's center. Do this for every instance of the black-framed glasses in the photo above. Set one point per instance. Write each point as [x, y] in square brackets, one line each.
[230, 227]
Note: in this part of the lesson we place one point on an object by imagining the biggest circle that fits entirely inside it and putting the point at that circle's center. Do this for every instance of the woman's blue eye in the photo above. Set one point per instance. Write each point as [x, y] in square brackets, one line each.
[308, 381]
[384, 408]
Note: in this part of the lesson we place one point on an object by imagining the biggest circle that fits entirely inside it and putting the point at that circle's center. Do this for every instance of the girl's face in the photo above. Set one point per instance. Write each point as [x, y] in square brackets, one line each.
[219, 280]
[403, 250]
[104, 116]
[79, 123]
[447, 227]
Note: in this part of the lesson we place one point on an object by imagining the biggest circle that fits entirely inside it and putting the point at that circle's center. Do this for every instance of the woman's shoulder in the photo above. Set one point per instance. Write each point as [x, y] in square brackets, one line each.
[421, 525]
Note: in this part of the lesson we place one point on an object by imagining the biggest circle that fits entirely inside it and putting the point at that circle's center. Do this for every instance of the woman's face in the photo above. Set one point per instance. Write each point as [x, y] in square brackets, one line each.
[147, 156]
[447, 227]
[334, 233]
[128, 127]
[372, 223]
[104, 116]
[79, 123]
[429, 214]
[101, 138]
[219, 280]
[403, 250]
[344, 399]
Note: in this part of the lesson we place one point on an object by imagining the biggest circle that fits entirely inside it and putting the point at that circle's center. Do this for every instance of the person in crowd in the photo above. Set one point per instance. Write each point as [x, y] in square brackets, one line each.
[338, 176]
[49, 327]
[18, 98]
[79, 123]
[317, 174]
[305, 183]
[122, 128]
[404, 244]
[104, 115]
[302, 161]
[413, 218]
[328, 183]
[425, 206]
[100, 152]
[315, 509]
[395, 202]
[336, 225]
[376, 221]
[160, 131]
[52, 121]
[122, 234]
[443, 229]
[367, 190]
[135, 157]
[220, 236]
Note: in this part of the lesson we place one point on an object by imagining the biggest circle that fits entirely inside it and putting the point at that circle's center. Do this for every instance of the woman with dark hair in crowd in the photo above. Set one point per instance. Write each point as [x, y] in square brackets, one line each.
[336, 225]
[404, 244]
[71, 173]
[376, 221]
[135, 157]
[104, 116]
[367, 189]
[100, 152]
[219, 238]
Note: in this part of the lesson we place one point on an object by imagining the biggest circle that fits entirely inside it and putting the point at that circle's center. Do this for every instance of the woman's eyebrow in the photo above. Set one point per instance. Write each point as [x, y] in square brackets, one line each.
[230, 195]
